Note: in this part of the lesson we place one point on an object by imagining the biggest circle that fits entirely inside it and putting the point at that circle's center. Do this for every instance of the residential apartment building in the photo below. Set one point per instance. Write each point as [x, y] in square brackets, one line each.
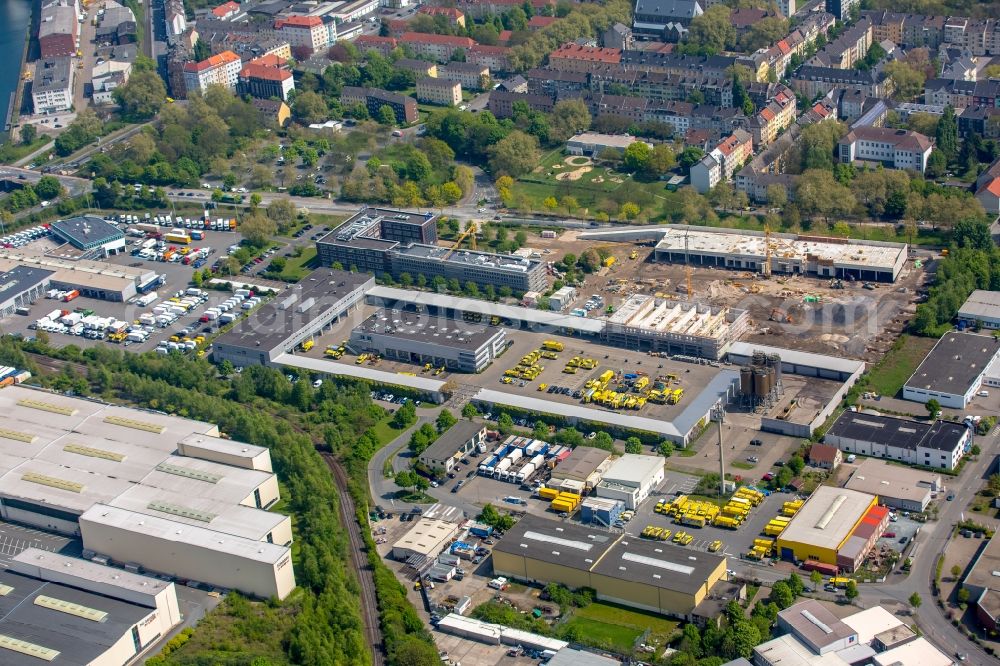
[226, 11]
[438, 47]
[723, 161]
[483, 8]
[900, 149]
[651, 17]
[572, 57]
[767, 168]
[813, 81]
[841, 9]
[381, 45]
[470, 75]
[176, 17]
[374, 99]
[222, 69]
[496, 58]
[848, 49]
[962, 94]
[419, 67]
[52, 86]
[266, 78]
[454, 16]
[501, 102]
[680, 65]
[439, 91]
[773, 118]
[58, 29]
[312, 32]
[106, 77]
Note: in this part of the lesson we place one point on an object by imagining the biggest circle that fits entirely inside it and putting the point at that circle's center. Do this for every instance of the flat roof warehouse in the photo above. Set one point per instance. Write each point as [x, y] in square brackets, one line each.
[955, 362]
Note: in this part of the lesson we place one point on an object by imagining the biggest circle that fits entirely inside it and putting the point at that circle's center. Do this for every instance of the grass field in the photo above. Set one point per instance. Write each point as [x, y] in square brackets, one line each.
[616, 628]
[887, 378]
[297, 268]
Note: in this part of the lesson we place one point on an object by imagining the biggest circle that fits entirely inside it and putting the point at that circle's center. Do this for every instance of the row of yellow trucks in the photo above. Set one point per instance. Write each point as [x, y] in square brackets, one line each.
[761, 548]
[527, 368]
[764, 547]
[680, 537]
[562, 501]
[579, 363]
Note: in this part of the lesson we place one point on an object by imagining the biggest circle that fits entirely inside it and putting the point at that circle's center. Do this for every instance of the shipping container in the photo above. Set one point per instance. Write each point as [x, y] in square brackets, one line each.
[548, 493]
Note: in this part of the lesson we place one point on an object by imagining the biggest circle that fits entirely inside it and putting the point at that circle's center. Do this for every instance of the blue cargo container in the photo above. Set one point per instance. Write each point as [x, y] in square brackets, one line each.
[481, 531]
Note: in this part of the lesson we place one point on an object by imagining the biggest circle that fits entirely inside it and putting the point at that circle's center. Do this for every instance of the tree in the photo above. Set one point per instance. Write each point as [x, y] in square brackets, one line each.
[777, 195]
[937, 164]
[48, 187]
[796, 464]
[405, 416]
[505, 424]
[691, 640]
[405, 479]
[255, 200]
[782, 595]
[711, 32]
[445, 420]
[568, 117]
[514, 155]
[636, 157]
[947, 133]
[666, 448]
[282, 211]
[550, 203]
[633, 445]
[257, 229]
[933, 407]
[28, 134]
[851, 591]
[309, 108]
[971, 233]
[956, 571]
[816, 578]
[795, 584]
[907, 80]
[661, 160]
[689, 157]
[386, 115]
[142, 96]
[914, 600]
[629, 210]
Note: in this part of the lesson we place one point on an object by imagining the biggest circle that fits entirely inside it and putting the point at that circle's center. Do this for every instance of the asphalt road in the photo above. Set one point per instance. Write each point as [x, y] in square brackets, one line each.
[71, 183]
[933, 540]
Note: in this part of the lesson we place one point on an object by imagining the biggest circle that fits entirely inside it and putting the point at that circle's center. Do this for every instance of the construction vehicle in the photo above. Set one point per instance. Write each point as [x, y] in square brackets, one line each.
[588, 363]
[633, 255]
[569, 370]
[470, 231]
[542, 387]
[308, 344]
[439, 371]
[608, 262]
[553, 345]
[361, 359]
[427, 367]
[675, 396]
[549, 355]
[715, 546]
[640, 384]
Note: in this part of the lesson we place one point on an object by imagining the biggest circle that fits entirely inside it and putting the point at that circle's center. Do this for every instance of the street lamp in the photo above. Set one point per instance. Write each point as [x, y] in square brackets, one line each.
[718, 414]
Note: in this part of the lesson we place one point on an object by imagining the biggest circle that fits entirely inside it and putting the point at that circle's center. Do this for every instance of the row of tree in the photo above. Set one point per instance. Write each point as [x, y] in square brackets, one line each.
[261, 406]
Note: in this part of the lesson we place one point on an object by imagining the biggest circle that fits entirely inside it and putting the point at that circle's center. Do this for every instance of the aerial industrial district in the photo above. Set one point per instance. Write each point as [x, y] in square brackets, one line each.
[719, 431]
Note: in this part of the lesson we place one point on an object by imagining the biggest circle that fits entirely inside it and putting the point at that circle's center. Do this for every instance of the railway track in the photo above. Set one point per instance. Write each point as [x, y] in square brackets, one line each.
[56, 365]
[359, 556]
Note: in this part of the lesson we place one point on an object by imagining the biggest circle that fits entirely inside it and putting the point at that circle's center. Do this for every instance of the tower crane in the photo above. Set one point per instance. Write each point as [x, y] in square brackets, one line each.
[470, 230]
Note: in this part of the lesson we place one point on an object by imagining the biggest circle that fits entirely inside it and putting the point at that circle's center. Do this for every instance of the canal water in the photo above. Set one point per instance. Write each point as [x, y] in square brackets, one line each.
[15, 20]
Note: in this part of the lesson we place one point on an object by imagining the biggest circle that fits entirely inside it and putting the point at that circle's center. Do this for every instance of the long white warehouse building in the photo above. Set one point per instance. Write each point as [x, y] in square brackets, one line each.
[144, 488]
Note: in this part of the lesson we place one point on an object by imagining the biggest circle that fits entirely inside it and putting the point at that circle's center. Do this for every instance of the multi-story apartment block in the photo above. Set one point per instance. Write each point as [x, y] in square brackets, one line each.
[312, 32]
[482, 8]
[841, 9]
[679, 65]
[813, 81]
[651, 17]
[886, 25]
[373, 99]
[962, 94]
[470, 75]
[222, 69]
[722, 162]
[438, 47]
[900, 149]
[381, 45]
[501, 102]
[176, 17]
[265, 78]
[418, 67]
[226, 11]
[848, 49]
[572, 57]
[52, 87]
[454, 16]
[769, 121]
[496, 58]
[556, 82]
[439, 91]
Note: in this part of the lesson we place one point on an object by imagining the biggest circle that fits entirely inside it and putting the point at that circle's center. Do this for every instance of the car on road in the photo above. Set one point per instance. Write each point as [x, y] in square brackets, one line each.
[903, 540]
[950, 496]
[753, 459]
[756, 442]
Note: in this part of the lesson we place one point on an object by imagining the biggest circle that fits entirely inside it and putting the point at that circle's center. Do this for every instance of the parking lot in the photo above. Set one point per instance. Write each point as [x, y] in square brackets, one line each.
[16, 538]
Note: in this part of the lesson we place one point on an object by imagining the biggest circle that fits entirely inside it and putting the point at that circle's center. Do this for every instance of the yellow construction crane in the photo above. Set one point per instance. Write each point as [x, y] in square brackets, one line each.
[470, 230]
[765, 268]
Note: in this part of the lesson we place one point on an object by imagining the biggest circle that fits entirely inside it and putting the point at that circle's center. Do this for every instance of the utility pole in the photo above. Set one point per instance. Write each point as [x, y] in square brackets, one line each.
[719, 415]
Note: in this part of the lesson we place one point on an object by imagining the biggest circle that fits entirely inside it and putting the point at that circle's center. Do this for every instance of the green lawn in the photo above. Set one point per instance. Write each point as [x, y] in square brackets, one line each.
[12, 152]
[616, 628]
[739, 464]
[888, 377]
[298, 267]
